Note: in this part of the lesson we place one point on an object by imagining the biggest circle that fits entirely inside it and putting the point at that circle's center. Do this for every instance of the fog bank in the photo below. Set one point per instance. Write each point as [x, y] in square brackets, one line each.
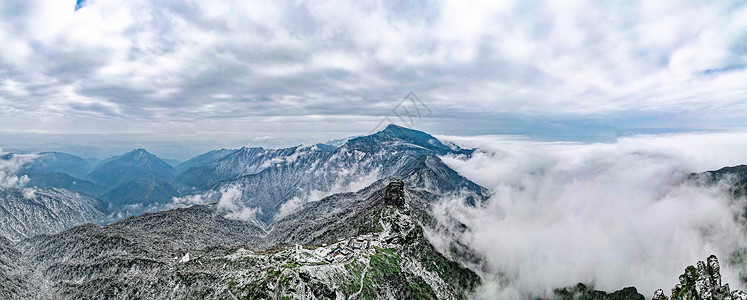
[613, 215]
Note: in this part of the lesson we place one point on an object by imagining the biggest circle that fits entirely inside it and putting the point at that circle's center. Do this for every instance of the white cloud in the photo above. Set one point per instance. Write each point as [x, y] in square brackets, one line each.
[29, 193]
[229, 198]
[9, 168]
[289, 207]
[230, 204]
[244, 214]
[614, 215]
[189, 200]
[264, 139]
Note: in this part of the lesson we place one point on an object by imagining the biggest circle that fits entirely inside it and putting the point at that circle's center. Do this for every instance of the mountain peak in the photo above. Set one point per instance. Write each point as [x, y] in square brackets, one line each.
[702, 281]
[392, 128]
[139, 151]
[406, 134]
[131, 165]
[246, 148]
[138, 154]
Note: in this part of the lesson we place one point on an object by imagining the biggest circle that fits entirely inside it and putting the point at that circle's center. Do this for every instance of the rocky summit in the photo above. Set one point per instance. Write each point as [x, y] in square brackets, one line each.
[395, 193]
[702, 283]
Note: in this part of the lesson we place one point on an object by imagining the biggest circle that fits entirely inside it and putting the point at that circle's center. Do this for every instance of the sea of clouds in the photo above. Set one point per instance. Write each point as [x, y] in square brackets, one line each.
[612, 215]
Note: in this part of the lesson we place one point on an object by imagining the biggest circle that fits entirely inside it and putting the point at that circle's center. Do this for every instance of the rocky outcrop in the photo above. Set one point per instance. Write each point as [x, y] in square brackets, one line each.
[702, 283]
[584, 292]
[395, 193]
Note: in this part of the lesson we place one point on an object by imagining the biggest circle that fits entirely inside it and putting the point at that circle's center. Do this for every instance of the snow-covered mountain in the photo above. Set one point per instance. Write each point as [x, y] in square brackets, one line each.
[244, 161]
[308, 173]
[266, 179]
[11, 285]
[203, 159]
[26, 212]
[211, 251]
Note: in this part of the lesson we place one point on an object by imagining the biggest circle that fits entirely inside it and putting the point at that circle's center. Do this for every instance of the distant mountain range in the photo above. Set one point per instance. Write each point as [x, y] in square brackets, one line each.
[304, 222]
[139, 181]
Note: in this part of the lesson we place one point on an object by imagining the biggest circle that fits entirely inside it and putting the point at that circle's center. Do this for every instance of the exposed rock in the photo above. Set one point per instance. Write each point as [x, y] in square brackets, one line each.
[702, 283]
[659, 295]
[584, 292]
[395, 193]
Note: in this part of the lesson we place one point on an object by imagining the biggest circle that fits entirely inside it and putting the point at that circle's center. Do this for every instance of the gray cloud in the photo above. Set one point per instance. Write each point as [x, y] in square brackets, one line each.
[152, 64]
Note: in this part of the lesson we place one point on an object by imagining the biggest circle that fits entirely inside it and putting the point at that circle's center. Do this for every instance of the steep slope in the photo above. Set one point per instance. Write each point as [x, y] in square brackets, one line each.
[333, 217]
[702, 281]
[197, 228]
[28, 212]
[137, 257]
[294, 176]
[244, 161]
[429, 173]
[399, 138]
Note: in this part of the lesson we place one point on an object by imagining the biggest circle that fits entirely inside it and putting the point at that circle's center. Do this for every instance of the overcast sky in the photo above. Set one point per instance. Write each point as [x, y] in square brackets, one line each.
[228, 72]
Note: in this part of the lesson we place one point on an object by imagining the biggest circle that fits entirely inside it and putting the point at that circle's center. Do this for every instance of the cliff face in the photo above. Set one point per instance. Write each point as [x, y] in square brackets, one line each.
[702, 283]
[395, 194]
